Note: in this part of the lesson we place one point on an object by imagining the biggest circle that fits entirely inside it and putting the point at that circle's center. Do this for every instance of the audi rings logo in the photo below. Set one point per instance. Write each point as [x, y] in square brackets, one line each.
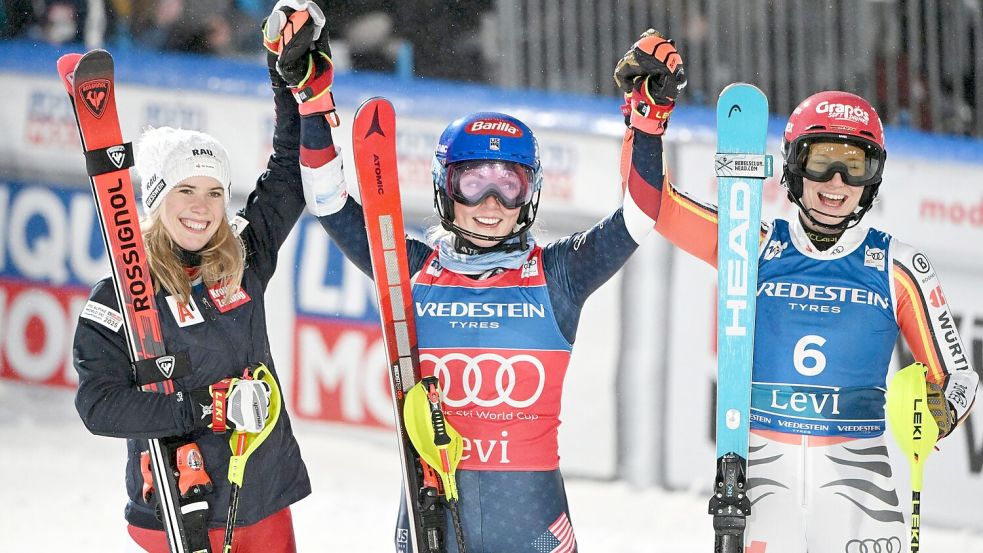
[507, 371]
[875, 545]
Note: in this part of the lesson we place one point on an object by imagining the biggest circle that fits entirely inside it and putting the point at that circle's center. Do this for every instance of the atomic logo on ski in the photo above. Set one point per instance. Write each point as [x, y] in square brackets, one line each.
[94, 94]
[375, 127]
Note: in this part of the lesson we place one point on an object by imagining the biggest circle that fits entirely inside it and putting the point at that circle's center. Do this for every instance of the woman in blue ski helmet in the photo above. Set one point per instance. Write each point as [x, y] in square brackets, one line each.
[496, 318]
[487, 179]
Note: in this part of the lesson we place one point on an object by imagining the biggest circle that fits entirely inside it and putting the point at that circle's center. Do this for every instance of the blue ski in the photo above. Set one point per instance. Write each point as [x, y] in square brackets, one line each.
[741, 167]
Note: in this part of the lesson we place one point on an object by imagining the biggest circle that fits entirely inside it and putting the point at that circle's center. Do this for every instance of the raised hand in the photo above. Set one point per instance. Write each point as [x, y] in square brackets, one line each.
[651, 75]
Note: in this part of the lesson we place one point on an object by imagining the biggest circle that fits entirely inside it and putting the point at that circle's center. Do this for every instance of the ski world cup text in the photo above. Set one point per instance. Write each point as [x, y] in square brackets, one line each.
[737, 270]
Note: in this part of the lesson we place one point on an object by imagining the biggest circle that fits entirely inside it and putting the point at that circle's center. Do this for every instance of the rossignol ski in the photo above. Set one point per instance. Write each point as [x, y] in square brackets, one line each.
[374, 147]
[90, 83]
[741, 167]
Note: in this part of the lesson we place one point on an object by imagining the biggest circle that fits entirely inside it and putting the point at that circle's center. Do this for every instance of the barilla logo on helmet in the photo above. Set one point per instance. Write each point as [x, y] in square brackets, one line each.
[845, 112]
[498, 127]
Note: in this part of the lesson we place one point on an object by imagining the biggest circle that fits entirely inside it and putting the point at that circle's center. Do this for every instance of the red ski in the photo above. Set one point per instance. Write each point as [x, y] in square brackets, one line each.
[90, 83]
[374, 146]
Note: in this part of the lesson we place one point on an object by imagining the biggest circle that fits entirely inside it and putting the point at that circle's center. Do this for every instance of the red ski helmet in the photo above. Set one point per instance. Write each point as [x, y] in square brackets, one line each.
[841, 117]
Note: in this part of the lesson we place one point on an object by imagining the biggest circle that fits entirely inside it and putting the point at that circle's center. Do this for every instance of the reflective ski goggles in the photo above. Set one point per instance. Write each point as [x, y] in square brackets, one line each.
[859, 163]
[470, 182]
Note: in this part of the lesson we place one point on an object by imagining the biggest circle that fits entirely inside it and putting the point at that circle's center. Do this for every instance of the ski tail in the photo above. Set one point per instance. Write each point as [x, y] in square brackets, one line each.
[90, 82]
[374, 147]
[741, 167]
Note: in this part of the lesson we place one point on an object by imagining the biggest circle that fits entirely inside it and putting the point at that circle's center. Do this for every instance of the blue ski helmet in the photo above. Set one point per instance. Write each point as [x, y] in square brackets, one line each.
[486, 136]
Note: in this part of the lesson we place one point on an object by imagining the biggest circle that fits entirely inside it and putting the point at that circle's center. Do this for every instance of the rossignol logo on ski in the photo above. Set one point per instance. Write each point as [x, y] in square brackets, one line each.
[94, 95]
[165, 364]
[495, 126]
[117, 155]
[122, 225]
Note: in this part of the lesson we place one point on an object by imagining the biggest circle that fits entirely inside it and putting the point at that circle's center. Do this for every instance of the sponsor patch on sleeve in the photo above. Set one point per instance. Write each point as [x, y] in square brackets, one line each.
[99, 313]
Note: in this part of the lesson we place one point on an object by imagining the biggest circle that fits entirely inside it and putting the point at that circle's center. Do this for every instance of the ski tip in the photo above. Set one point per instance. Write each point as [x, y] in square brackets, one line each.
[374, 103]
[375, 116]
[66, 70]
[734, 87]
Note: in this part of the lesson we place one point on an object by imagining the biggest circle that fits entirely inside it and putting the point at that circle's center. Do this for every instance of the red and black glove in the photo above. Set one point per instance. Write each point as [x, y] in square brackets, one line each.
[299, 50]
[651, 76]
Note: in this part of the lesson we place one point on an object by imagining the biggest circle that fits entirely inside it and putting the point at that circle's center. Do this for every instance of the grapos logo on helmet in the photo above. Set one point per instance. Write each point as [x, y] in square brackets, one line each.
[844, 111]
[493, 126]
[507, 373]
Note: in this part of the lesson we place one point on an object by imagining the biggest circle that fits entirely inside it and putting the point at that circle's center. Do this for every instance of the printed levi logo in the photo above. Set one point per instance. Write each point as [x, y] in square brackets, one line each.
[94, 95]
[165, 364]
[117, 155]
[496, 127]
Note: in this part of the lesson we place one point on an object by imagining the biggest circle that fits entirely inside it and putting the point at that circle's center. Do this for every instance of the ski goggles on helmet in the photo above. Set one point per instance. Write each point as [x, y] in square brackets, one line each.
[858, 162]
[470, 182]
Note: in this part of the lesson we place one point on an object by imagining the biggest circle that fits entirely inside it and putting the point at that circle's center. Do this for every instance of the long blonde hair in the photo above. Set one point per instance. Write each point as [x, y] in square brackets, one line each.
[223, 259]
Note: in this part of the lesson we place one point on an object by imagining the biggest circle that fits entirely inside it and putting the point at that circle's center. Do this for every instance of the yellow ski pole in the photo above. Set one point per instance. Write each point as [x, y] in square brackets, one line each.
[436, 441]
[243, 444]
[914, 429]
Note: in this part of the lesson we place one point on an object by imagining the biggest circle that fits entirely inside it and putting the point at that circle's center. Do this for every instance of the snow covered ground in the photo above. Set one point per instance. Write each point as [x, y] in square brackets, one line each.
[62, 490]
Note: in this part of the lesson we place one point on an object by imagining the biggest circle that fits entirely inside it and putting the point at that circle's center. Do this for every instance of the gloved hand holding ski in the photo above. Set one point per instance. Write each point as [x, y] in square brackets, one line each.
[651, 76]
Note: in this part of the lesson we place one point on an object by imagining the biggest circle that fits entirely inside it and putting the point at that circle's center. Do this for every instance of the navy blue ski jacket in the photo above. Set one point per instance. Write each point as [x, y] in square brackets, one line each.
[220, 345]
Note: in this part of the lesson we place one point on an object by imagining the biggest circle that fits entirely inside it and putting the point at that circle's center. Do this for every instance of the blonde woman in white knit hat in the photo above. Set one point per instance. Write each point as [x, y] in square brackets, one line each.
[209, 279]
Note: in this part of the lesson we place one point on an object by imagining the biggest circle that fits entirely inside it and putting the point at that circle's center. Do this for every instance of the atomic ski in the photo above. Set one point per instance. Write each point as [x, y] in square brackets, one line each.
[90, 83]
[374, 147]
[741, 167]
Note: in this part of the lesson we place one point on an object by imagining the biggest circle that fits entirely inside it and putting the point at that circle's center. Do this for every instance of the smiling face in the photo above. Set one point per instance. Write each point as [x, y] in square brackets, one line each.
[829, 202]
[192, 212]
[488, 218]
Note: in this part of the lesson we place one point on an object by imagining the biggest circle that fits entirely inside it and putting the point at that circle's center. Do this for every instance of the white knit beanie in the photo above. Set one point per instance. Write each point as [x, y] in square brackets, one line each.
[166, 156]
